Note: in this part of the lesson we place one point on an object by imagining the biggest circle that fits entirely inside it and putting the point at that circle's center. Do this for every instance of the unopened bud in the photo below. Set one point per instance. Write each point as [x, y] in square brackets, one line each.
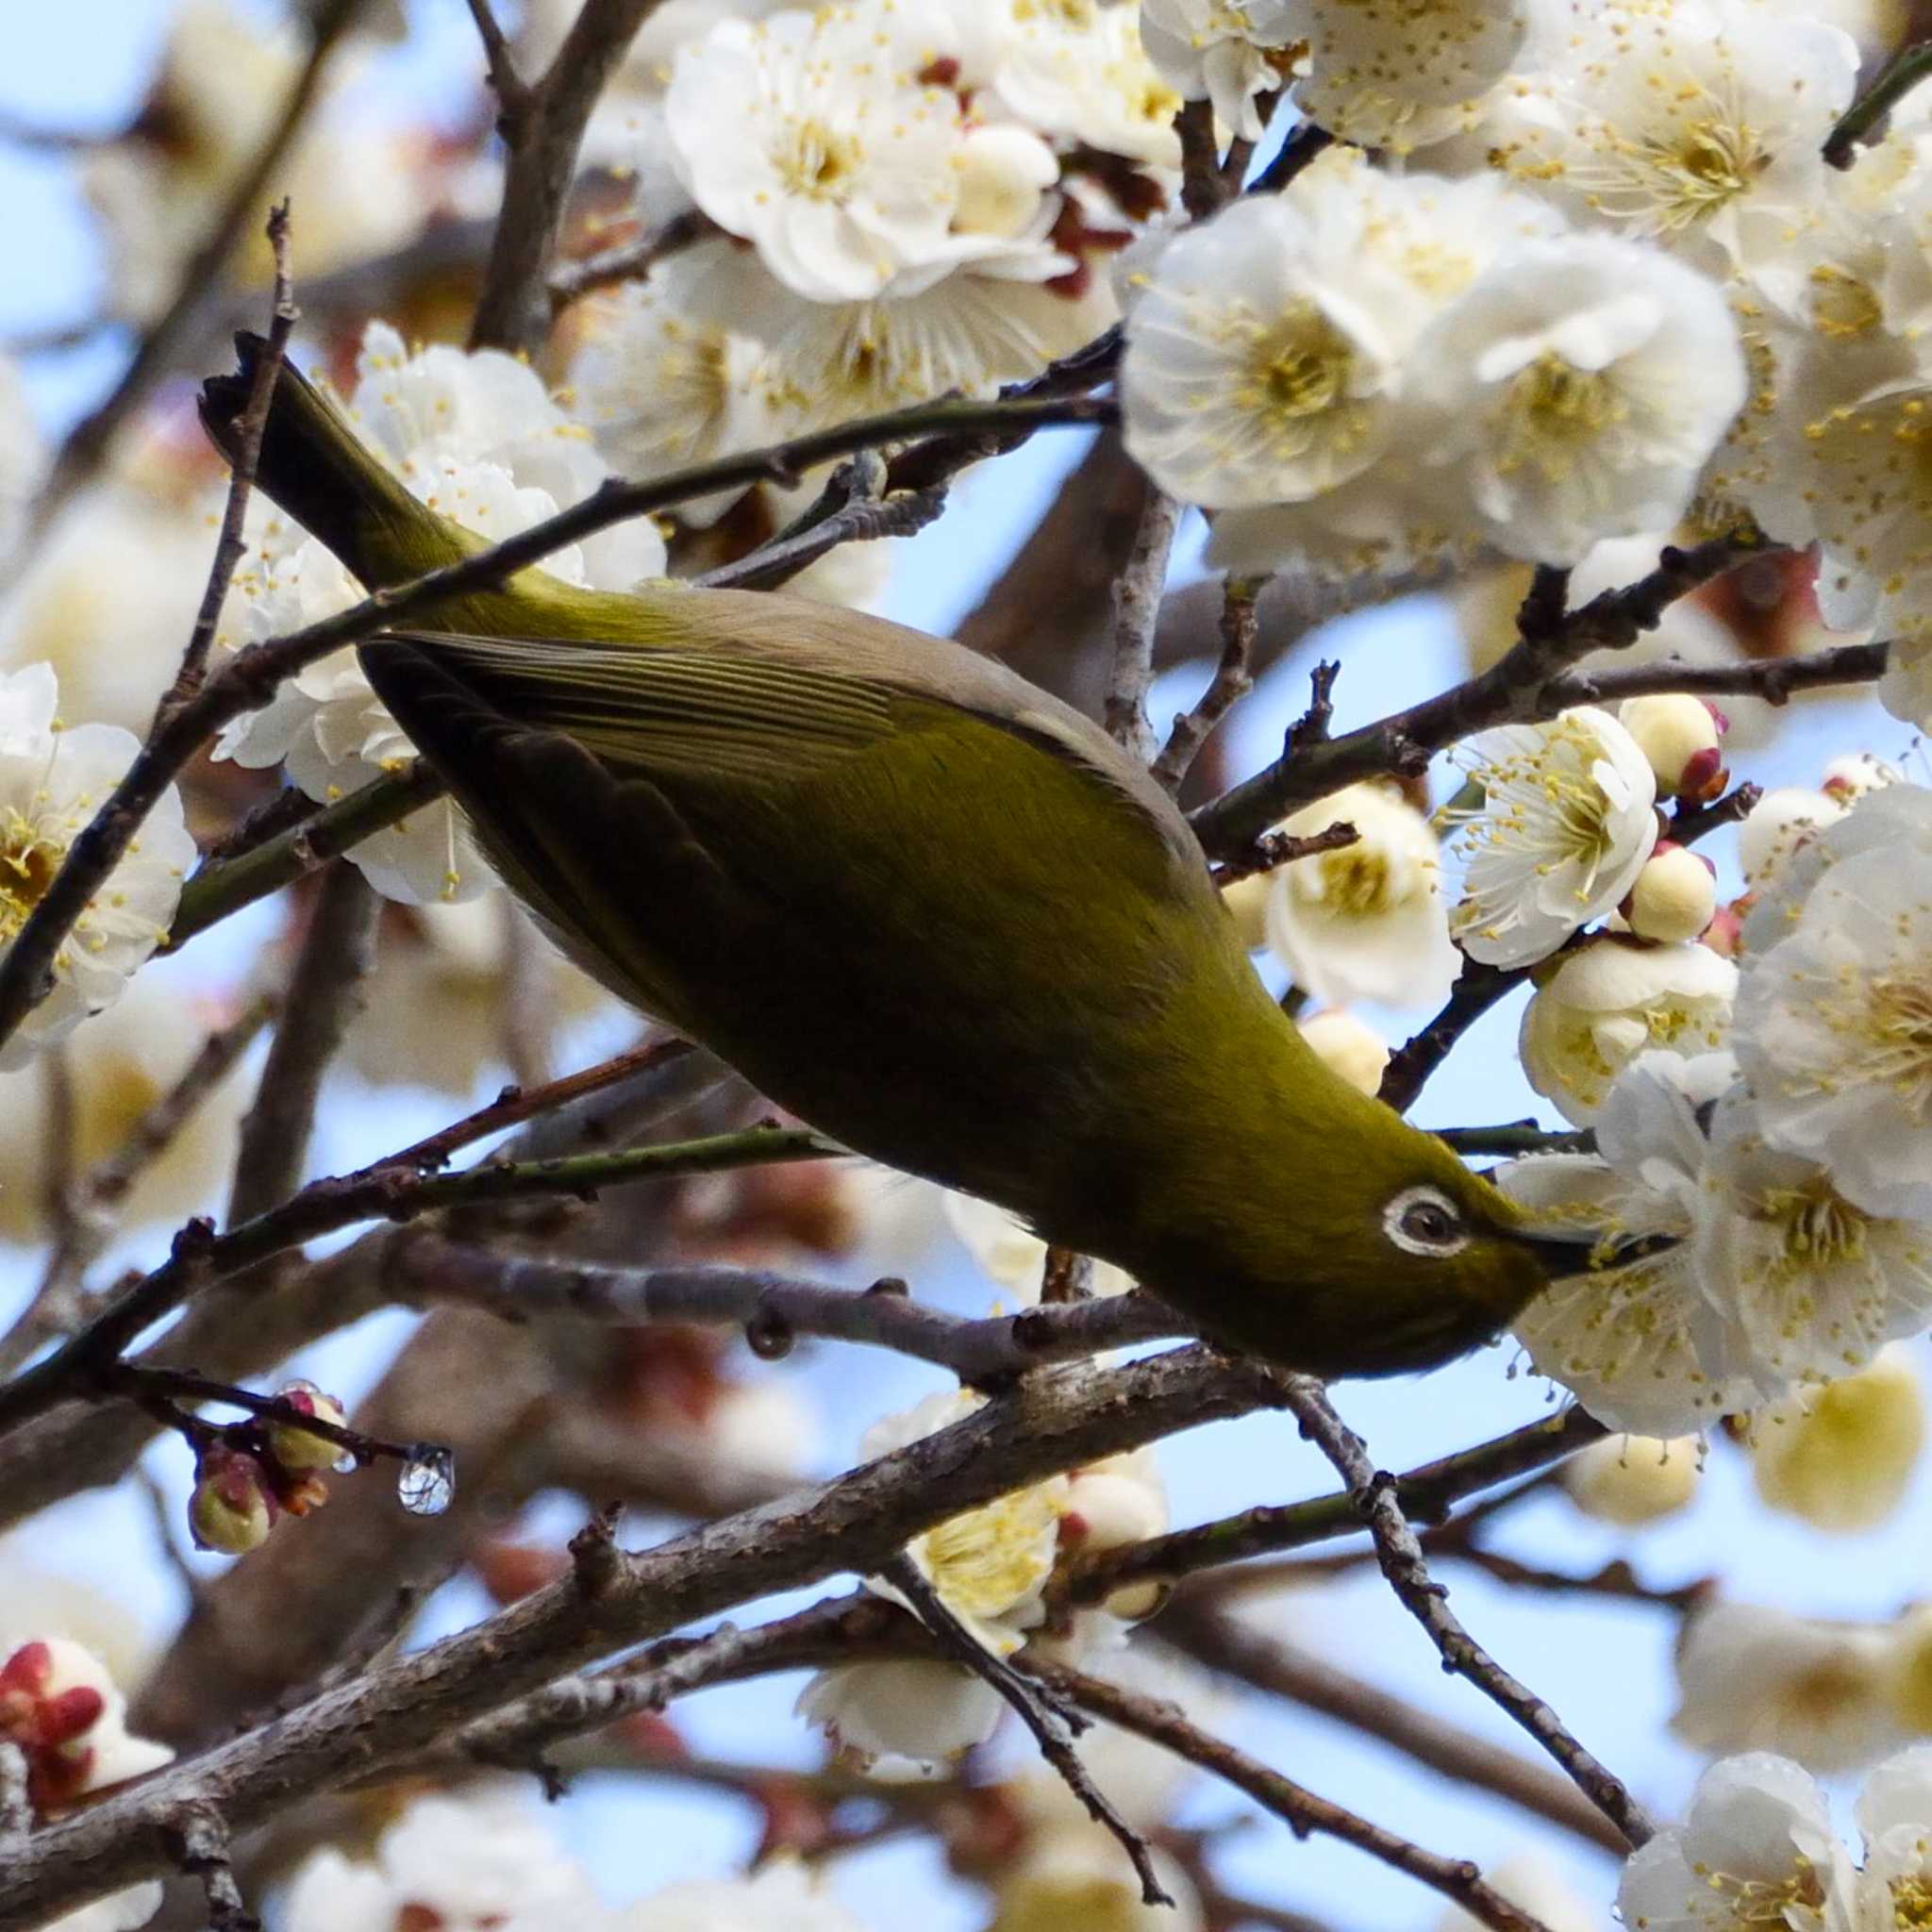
[233, 1507]
[1674, 896]
[298, 1449]
[1679, 735]
[1003, 173]
[1346, 1046]
[1777, 824]
[1634, 1479]
[1725, 935]
[1247, 899]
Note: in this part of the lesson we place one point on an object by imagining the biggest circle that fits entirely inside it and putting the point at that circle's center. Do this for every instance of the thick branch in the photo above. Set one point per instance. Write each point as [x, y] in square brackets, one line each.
[858, 1523]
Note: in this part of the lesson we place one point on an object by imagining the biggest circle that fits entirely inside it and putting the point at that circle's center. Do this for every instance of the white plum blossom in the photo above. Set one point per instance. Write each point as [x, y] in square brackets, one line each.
[1612, 1000]
[53, 779]
[1757, 1849]
[1072, 1874]
[1894, 1818]
[1841, 1456]
[1835, 1027]
[1078, 73]
[1403, 73]
[478, 438]
[903, 1719]
[1366, 921]
[1218, 51]
[840, 162]
[481, 1862]
[1576, 388]
[1811, 1284]
[1755, 1678]
[1270, 352]
[1568, 819]
[1265, 356]
[1694, 123]
[1641, 1343]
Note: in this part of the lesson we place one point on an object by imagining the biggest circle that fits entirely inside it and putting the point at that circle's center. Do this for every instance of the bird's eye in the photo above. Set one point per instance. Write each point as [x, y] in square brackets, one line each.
[1424, 1220]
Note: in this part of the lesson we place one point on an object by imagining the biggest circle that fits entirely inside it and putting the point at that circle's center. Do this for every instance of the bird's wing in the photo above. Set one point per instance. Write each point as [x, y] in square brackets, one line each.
[780, 689]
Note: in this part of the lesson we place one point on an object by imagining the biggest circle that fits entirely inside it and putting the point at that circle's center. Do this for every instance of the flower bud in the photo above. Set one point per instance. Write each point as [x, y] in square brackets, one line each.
[1247, 899]
[1634, 1479]
[1113, 1504]
[297, 1449]
[1679, 735]
[1674, 896]
[1777, 824]
[1841, 1456]
[1003, 173]
[233, 1507]
[1347, 1047]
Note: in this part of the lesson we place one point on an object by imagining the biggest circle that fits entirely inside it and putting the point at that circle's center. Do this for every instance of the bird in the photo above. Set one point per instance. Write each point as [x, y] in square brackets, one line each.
[922, 906]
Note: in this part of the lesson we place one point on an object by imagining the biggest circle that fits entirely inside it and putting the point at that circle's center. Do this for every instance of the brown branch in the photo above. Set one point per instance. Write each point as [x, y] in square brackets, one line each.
[1273, 850]
[89, 443]
[1282, 1669]
[1863, 120]
[198, 1835]
[1426, 1492]
[385, 1192]
[1400, 1555]
[1300, 1808]
[1476, 990]
[324, 995]
[1775, 679]
[1137, 605]
[231, 877]
[1523, 686]
[627, 262]
[1232, 680]
[1301, 147]
[986, 1353]
[857, 1522]
[543, 123]
[229, 544]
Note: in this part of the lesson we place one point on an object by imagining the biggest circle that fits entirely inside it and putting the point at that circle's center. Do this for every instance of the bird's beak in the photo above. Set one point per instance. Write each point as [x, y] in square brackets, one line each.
[1584, 1253]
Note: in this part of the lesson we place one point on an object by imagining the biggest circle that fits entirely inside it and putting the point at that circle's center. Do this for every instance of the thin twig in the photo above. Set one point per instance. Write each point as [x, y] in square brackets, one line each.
[1270, 1663]
[499, 60]
[1476, 990]
[199, 1836]
[1136, 610]
[1526, 684]
[626, 262]
[1231, 682]
[96, 1198]
[1403, 1563]
[542, 124]
[1273, 850]
[229, 544]
[1301, 147]
[1860, 123]
[383, 1192]
[228, 881]
[1300, 1808]
[324, 995]
[984, 1353]
[1053, 1723]
[1775, 679]
[1426, 1492]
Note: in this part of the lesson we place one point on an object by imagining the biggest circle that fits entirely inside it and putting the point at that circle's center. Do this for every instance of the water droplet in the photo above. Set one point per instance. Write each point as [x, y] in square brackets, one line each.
[428, 1482]
[769, 1336]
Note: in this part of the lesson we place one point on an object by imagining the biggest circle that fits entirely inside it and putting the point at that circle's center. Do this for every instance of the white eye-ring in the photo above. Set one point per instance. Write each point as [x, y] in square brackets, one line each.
[1424, 1220]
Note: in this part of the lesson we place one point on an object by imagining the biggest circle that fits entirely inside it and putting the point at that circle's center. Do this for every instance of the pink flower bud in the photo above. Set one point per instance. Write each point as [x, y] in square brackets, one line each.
[234, 1505]
[300, 1449]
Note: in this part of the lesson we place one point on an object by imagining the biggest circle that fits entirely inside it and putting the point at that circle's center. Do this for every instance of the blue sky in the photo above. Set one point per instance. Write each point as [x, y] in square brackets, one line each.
[1605, 1665]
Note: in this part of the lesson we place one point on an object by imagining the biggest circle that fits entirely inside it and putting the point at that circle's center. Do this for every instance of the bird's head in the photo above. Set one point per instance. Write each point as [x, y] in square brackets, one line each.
[1419, 1259]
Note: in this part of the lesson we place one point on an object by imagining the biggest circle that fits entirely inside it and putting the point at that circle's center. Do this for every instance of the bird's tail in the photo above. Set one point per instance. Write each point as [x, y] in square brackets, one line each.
[316, 468]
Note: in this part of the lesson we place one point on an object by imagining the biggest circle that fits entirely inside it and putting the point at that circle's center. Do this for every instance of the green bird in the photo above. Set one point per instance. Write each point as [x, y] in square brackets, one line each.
[924, 906]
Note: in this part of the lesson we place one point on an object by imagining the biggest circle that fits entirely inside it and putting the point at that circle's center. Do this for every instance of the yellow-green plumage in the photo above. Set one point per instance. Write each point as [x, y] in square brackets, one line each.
[925, 906]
